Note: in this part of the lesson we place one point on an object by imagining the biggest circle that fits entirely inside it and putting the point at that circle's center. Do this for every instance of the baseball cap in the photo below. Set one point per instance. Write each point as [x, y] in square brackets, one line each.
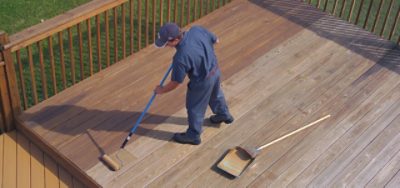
[168, 31]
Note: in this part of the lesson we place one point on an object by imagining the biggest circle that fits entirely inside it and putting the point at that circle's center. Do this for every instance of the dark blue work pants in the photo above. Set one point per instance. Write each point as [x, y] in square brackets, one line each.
[199, 95]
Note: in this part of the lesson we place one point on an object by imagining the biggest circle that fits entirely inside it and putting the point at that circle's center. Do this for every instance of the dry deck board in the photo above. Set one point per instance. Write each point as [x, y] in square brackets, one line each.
[394, 182]
[386, 173]
[325, 140]
[349, 138]
[286, 176]
[383, 142]
[371, 169]
[290, 173]
[294, 102]
[350, 124]
[350, 152]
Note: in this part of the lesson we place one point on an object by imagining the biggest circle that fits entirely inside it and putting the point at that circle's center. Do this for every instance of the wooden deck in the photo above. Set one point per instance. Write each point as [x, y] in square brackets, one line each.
[23, 164]
[284, 64]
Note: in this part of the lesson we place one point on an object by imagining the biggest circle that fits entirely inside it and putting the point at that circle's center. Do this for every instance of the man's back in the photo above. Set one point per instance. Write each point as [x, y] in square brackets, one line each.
[196, 53]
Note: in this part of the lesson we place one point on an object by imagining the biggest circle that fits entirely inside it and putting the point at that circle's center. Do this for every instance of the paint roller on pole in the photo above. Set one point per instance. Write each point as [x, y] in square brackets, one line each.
[138, 121]
[107, 159]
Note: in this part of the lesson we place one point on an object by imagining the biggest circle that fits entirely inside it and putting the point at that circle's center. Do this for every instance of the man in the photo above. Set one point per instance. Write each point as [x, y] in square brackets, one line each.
[194, 57]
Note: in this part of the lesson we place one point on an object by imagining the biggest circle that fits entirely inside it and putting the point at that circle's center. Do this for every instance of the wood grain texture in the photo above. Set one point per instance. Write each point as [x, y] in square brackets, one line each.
[10, 160]
[21, 166]
[59, 23]
[284, 64]
[1, 158]
[23, 161]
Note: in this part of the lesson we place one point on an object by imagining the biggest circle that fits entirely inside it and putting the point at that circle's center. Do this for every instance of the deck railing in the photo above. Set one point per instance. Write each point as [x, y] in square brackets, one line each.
[381, 17]
[49, 57]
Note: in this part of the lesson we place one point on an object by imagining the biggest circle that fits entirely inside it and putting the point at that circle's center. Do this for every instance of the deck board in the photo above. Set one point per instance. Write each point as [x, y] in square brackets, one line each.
[65, 178]
[336, 140]
[395, 181]
[390, 148]
[386, 173]
[284, 64]
[10, 160]
[37, 167]
[1, 158]
[23, 162]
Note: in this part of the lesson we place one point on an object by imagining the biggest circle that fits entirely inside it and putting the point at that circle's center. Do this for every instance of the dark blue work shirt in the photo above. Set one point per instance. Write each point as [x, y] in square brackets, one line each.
[194, 55]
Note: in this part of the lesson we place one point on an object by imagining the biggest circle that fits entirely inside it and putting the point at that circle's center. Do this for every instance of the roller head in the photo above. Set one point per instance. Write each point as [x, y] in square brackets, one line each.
[110, 163]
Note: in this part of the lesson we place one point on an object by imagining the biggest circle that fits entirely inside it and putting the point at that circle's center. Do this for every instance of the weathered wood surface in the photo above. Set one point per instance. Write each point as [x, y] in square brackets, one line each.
[284, 64]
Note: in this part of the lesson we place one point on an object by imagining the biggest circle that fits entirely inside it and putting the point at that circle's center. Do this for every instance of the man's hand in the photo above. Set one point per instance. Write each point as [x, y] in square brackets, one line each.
[167, 88]
[159, 90]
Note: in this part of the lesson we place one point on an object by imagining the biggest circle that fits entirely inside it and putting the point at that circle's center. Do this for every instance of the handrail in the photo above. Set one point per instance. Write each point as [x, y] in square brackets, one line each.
[60, 52]
[59, 23]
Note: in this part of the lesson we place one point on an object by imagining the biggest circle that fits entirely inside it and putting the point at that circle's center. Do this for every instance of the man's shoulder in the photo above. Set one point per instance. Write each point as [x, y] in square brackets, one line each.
[197, 28]
[180, 55]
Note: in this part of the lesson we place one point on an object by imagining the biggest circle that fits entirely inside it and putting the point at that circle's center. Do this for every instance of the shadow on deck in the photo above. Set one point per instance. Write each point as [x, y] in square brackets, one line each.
[352, 37]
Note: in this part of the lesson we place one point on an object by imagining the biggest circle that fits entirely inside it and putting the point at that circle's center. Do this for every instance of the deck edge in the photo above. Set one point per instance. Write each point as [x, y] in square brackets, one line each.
[56, 155]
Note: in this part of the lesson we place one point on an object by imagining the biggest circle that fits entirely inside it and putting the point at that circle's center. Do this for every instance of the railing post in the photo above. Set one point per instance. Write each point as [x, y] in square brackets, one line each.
[9, 96]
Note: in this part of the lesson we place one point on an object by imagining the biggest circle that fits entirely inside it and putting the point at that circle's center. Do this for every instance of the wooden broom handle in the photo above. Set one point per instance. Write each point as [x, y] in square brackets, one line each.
[294, 132]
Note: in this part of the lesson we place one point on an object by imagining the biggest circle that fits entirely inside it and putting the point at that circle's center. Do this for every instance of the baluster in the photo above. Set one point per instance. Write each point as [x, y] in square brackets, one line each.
[22, 79]
[123, 31]
[115, 35]
[42, 71]
[107, 38]
[98, 38]
[52, 65]
[71, 57]
[378, 13]
[89, 43]
[32, 73]
[81, 52]
[386, 17]
[62, 63]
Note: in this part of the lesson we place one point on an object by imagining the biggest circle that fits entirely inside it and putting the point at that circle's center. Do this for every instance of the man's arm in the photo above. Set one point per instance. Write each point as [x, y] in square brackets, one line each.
[167, 88]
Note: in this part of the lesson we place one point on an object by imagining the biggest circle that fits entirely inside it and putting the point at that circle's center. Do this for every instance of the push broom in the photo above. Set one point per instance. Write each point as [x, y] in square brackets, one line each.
[107, 159]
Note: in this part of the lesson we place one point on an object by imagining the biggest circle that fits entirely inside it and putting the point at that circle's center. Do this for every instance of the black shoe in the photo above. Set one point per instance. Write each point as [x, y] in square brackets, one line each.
[217, 119]
[183, 138]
